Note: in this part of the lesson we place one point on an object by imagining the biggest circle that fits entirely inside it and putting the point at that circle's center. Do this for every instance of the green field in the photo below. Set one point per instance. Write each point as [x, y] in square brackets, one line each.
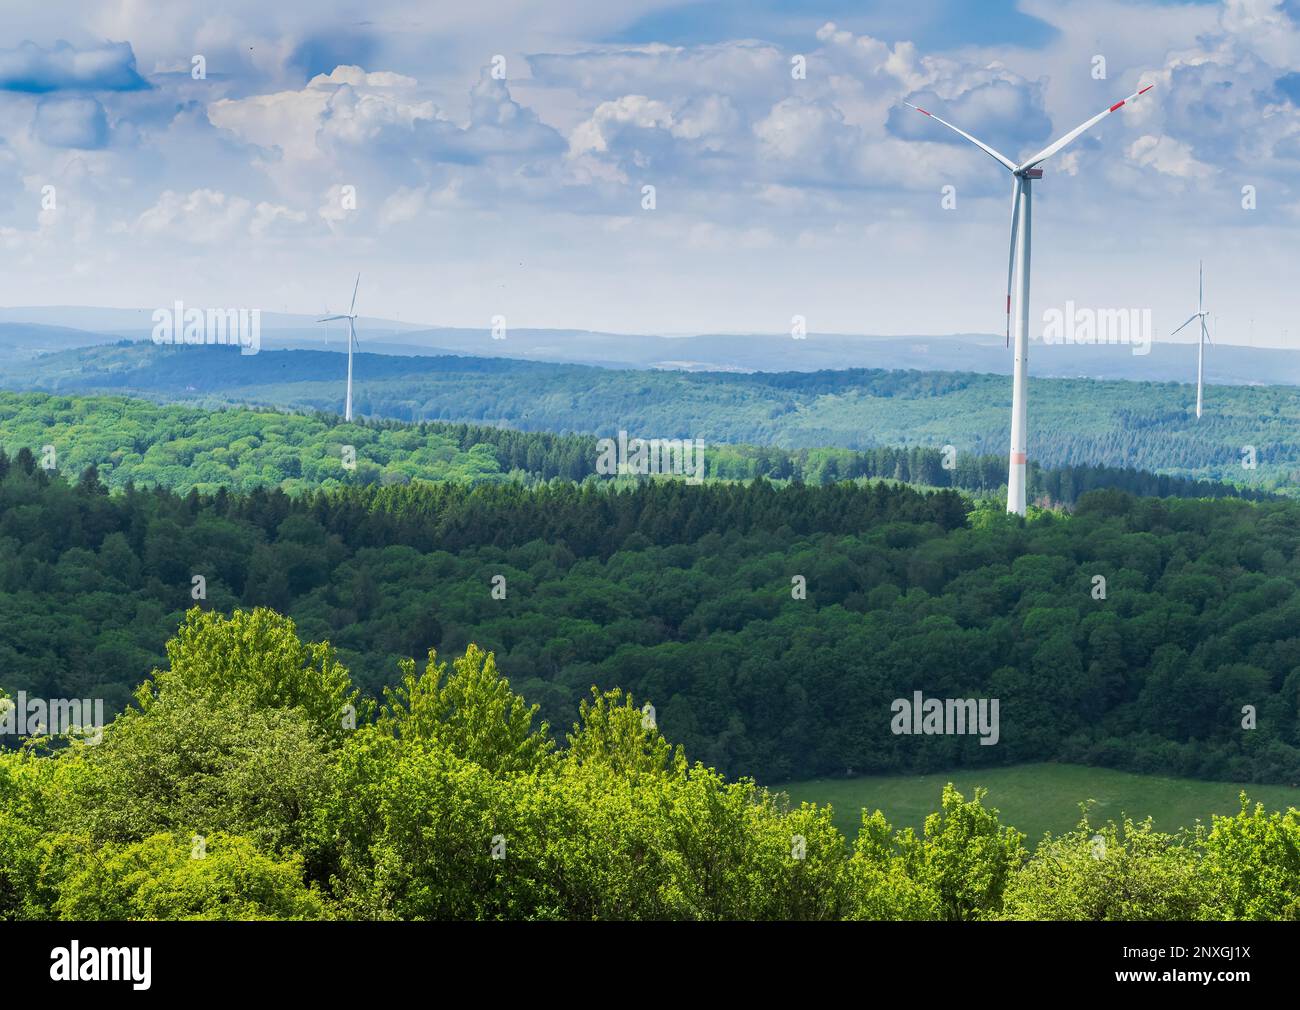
[1038, 797]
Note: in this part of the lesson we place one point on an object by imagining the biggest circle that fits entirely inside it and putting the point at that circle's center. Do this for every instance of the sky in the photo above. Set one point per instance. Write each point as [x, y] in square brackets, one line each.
[491, 159]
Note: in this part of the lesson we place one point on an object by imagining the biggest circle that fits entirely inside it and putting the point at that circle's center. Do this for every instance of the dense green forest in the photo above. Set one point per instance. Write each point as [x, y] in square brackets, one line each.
[689, 597]
[251, 782]
[1146, 426]
[185, 447]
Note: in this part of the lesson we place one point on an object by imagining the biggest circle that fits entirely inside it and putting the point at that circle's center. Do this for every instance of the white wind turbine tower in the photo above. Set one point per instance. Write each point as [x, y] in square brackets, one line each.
[351, 317]
[1205, 333]
[1021, 220]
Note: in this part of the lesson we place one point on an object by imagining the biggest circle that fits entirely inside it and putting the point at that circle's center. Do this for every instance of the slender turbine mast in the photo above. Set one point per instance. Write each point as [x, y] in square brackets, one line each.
[1202, 315]
[1023, 176]
[351, 317]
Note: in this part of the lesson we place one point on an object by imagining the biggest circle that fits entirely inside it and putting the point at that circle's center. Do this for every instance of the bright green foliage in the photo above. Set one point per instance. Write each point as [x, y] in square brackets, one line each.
[184, 447]
[167, 877]
[415, 825]
[613, 834]
[1127, 871]
[731, 854]
[25, 817]
[612, 733]
[255, 658]
[965, 857]
[1253, 862]
[223, 797]
[880, 886]
[471, 711]
[190, 765]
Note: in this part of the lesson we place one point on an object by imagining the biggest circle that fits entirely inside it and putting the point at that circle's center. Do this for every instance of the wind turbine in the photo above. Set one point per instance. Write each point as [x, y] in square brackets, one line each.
[1021, 219]
[1205, 333]
[351, 317]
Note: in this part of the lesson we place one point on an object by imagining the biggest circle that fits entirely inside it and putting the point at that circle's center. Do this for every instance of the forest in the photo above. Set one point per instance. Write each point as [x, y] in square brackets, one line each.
[1145, 426]
[184, 448]
[250, 781]
[251, 610]
[771, 627]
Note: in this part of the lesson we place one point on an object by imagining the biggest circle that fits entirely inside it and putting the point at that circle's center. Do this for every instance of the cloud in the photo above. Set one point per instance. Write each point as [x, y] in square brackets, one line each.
[350, 100]
[718, 113]
[274, 219]
[757, 70]
[200, 217]
[1007, 115]
[1228, 99]
[611, 120]
[1167, 155]
[107, 67]
[381, 117]
[498, 125]
[800, 129]
[404, 204]
[71, 122]
[358, 78]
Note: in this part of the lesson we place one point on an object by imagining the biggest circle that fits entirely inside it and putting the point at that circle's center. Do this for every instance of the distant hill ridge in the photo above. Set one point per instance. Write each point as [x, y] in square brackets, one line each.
[746, 352]
[1125, 425]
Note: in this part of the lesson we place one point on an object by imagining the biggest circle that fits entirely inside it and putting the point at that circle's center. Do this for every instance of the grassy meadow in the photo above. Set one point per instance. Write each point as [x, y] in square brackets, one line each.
[1038, 797]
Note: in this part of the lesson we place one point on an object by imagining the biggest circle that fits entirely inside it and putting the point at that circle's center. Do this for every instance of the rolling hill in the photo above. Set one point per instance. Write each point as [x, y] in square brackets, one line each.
[1142, 425]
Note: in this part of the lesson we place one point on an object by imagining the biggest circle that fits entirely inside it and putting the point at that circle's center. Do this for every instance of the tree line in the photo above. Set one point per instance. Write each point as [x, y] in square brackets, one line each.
[188, 447]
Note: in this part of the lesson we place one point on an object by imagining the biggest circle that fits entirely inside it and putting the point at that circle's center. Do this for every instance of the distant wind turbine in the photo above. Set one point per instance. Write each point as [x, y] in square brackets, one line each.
[1021, 219]
[1205, 333]
[351, 317]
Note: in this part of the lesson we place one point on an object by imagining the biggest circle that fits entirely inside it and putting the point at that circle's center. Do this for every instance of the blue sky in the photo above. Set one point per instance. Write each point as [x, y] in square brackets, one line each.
[933, 24]
[376, 137]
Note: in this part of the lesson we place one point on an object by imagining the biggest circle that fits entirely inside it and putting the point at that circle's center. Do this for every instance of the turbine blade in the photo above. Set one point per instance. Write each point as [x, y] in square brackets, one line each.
[353, 307]
[1200, 280]
[1006, 162]
[330, 319]
[1051, 149]
[1189, 319]
[1011, 258]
